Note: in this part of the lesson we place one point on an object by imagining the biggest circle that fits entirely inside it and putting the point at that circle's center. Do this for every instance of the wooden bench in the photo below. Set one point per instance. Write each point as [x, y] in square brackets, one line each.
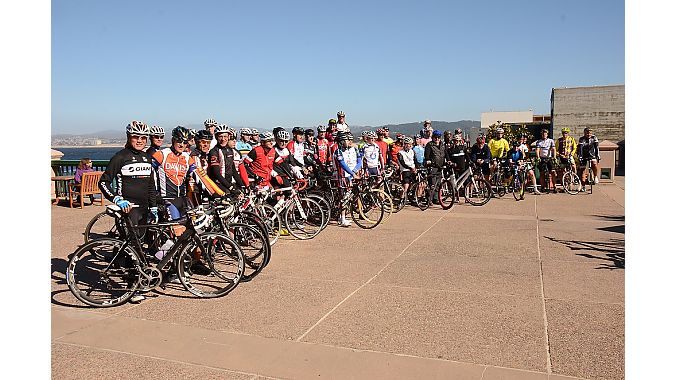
[88, 186]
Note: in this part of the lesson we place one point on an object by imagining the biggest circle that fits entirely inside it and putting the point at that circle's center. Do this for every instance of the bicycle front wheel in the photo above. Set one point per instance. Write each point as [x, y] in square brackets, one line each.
[103, 273]
[387, 202]
[102, 225]
[518, 186]
[306, 221]
[272, 221]
[224, 262]
[422, 196]
[254, 246]
[446, 195]
[397, 195]
[478, 191]
[367, 210]
[571, 183]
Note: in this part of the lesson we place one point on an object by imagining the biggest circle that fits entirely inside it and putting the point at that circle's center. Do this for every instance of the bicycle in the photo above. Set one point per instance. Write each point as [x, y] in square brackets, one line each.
[476, 190]
[393, 189]
[570, 181]
[518, 183]
[365, 207]
[498, 178]
[106, 272]
[589, 180]
[303, 217]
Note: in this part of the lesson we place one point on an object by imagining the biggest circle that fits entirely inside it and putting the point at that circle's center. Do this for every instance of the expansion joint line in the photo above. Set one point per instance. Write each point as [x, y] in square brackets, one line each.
[368, 281]
[542, 289]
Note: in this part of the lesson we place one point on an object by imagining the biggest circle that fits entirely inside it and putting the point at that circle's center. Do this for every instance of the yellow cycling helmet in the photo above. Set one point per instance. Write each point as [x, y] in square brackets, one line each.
[565, 130]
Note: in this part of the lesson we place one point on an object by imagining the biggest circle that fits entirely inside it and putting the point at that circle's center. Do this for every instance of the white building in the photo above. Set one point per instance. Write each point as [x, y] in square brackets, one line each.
[489, 118]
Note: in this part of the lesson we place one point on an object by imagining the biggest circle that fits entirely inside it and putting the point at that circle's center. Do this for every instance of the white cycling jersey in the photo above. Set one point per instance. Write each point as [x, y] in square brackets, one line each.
[371, 155]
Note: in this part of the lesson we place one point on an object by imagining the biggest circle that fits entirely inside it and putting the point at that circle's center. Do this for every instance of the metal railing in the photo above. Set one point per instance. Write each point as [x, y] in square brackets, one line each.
[68, 167]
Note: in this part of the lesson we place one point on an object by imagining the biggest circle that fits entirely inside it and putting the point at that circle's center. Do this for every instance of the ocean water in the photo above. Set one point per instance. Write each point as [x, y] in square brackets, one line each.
[100, 153]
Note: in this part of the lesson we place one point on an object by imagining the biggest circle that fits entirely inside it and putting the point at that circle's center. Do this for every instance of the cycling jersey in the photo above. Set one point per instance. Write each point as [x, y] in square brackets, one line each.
[384, 151]
[388, 140]
[349, 161]
[286, 164]
[394, 152]
[434, 153]
[223, 162]
[342, 127]
[480, 153]
[566, 147]
[262, 163]
[297, 150]
[200, 184]
[322, 150]
[173, 169]
[152, 149]
[372, 156]
[456, 154]
[498, 148]
[514, 155]
[545, 146]
[406, 160]
[243, 147]
[132, 172]
[588, 148]
[419, 155]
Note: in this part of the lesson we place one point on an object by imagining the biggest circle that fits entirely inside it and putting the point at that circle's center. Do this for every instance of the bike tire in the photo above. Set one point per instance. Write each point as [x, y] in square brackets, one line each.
[324, 205]
[102, 225]
[446, 195]
[305, 226]
[105, 266]
[571, 183]
[254, 247]
[518, 186]
[367, 210]
[423, 200]
[478, 191]
[222, 256]
[397, 195]
[272, 221]
[387, 202]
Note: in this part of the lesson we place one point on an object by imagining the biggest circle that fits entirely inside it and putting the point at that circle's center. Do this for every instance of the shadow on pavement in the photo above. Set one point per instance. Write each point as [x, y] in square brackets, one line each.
[610, 217]
[611, 252]
[59, 278]
[617, 229]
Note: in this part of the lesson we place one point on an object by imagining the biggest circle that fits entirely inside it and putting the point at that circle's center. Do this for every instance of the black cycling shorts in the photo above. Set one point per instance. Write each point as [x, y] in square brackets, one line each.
[546, 165]
[485, 168]
[407, 177]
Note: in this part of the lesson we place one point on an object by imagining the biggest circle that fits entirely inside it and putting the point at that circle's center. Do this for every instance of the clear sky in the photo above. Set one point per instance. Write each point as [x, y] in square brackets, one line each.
[267, 63]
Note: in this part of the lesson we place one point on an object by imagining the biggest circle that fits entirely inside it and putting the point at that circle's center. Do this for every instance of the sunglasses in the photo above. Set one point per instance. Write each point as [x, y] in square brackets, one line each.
[140, 137]
[158, 136]
[184, 142]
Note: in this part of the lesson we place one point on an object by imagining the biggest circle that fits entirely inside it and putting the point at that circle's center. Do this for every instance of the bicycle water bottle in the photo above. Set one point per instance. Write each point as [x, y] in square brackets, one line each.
[164, 248]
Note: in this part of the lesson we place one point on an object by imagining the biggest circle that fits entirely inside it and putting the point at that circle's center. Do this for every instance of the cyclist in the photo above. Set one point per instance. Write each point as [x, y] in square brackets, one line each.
[322, 148]
[210, 125]
[156, 139]
[456, 156]
[481, 155]
[191, 140]
[296, 147]
[348, 163]
[383, 145]
[132, 171]
[588, 151]
[342, 126]
[371, 153]
[260, 160]
[434, 160]
[407, 166]
[254, 138]
[516, 157]
[394, 150]
[285, 164]
[545, 151]
[199, 187]
[499, 147]
[426, 132]
[223, 162]
[331, 129]
[310, 146]
[243, 146]
[387, 137]
[460, 132]
[565, 150]
[362, 140]
[419, 150]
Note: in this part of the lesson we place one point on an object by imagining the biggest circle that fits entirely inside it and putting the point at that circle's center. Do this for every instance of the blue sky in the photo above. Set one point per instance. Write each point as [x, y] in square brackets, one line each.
[268, 63]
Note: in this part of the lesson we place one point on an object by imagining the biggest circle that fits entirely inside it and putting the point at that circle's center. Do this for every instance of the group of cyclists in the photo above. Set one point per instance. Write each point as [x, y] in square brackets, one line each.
[219, 161]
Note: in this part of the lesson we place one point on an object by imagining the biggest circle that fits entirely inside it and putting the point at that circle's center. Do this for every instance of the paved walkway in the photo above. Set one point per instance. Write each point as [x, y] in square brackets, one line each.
[512, 290]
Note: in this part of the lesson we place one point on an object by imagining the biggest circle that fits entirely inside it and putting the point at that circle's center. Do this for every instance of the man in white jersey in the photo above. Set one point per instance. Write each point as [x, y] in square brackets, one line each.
[545, 151]
[342, 126]
[407, 163]
[371, 152]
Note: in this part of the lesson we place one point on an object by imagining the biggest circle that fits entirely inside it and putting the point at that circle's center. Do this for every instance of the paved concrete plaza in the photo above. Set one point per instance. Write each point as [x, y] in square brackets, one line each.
[511, 290]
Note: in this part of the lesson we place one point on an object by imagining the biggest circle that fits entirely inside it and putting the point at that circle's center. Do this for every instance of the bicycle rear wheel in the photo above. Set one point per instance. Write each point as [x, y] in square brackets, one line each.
[571, 183]
[305, 222]
[102, 225]
[478, 191]
[367, 210]
[272, 221]
[221, 255]
[518, 186]
[397, 195]
[387, 202]
[422, 196]
[446, 195]
[103, 273]
[325, 205]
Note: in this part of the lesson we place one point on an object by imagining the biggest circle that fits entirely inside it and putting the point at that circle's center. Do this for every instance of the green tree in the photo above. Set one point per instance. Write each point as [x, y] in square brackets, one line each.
[512, 131]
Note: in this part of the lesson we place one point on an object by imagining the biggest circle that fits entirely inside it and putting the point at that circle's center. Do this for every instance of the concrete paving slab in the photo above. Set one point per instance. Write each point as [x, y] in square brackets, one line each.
[552, 206]
[69, 320]
[266, 307]
[438, 271]
[473, 328]
[586, 339]
[93, 363]
[583, 281]
[601, 244]
[200, 348]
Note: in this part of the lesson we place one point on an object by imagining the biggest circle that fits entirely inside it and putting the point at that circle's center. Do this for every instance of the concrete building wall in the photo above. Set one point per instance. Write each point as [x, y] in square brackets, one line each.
[489, 118]
[600, 108]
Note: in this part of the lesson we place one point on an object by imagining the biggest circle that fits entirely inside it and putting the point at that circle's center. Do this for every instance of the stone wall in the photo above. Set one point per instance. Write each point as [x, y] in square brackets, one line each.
[600, 108]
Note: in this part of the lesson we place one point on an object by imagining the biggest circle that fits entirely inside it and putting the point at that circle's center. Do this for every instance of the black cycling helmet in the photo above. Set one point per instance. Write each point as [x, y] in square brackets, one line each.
[180, 133]
[277, 129]
[543, 130]
[321, 128]
[298, 131]
[203, 135]
[309, 132]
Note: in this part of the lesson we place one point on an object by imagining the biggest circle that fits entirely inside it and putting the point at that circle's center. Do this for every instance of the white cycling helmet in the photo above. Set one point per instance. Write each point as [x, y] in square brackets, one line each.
[245, 131]
[210, 123]
[408, 140]
[365, 133]
[283, 135]
[254, 131]
[499, 130]
[223, 128]
[137, 128]
[266, 136]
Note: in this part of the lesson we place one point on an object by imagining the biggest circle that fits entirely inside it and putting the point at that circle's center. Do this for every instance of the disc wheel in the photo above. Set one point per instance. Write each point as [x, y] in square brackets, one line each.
[103, 273]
